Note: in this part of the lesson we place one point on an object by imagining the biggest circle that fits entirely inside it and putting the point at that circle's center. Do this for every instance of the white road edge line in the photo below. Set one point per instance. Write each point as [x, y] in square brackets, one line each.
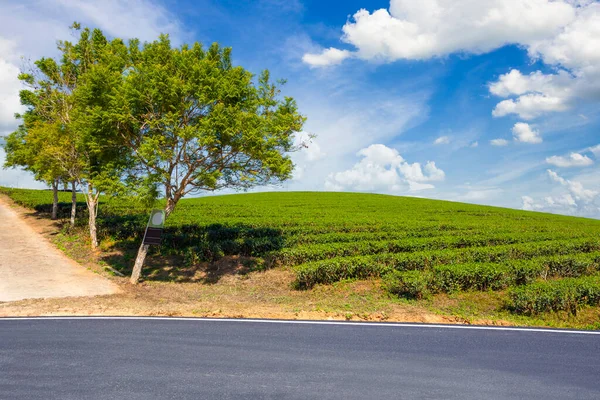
[304, 322]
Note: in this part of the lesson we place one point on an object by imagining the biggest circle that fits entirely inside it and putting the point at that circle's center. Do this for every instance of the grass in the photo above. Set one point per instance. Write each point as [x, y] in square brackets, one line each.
[358, 255]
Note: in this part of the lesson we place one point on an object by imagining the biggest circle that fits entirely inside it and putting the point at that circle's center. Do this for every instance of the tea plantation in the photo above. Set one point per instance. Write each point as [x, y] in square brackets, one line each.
[418, 247]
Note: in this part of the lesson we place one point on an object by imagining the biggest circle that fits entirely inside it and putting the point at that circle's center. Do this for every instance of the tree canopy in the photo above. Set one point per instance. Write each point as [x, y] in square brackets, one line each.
[195, 122]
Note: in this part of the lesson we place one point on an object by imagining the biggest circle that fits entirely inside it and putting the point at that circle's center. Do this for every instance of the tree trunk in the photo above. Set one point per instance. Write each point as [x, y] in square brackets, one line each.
[139, 263]
[92, 202]
[170, 206]
[73, 202]
[141, 255]
[54, 199]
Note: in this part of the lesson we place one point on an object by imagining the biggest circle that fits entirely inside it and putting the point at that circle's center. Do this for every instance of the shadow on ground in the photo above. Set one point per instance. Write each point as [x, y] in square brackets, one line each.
[188, 253]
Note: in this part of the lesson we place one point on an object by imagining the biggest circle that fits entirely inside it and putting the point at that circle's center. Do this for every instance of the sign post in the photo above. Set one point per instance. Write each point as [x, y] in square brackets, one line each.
[155, 227]
[152, 236]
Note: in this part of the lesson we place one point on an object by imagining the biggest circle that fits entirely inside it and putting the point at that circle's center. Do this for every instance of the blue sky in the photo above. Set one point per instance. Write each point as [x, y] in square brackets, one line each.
[492, 102]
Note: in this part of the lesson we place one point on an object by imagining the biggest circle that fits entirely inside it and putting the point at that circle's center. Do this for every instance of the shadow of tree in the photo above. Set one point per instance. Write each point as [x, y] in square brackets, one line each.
[188, 253]
[64, 210]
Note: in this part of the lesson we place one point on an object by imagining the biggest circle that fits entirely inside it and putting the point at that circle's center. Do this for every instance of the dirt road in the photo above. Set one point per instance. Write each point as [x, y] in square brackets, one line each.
[31, 267]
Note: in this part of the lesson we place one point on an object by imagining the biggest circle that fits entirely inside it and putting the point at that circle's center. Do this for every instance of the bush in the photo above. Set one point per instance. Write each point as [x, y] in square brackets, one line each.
[566, 294]
[203, 251]
[572, 265]
[455, 277]
[310, 274]
[409, 284]
[526, 263]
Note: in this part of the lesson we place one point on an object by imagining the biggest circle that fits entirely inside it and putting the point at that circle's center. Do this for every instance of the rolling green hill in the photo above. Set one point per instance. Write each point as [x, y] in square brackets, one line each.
[419, 247]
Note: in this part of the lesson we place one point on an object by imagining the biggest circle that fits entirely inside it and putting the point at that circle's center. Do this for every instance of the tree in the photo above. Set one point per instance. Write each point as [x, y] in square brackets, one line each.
[194, 122]
[34, 145]
[98, 64]
[58, 137]
[24, 148]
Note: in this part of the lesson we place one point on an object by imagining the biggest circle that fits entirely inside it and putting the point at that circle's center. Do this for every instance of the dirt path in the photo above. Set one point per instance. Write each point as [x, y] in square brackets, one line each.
[31, 267]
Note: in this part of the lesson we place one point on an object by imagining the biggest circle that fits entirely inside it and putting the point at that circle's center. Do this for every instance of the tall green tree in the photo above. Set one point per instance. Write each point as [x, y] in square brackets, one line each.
[58, 128]
[195, 122]
[35, 145]
[99, 64]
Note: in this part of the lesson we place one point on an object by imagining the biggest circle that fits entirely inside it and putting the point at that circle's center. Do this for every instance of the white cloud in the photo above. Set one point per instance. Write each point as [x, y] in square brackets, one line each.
[529, 204]
[330, 56]
[423, 29]
[9, 96]
[474, 144]
[576, 46]
[576, 200]
[383, 169]
[442, 140]
[499, 142]
[529, 106]
[595, 149]
[564, 200]
[573, 160]
[574, 51]
[522, 132]
[575, 187]
[348, 118]
[562, 33]
[515, 83]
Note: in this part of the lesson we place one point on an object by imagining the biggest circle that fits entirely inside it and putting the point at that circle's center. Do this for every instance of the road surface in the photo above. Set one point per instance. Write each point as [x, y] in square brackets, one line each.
[241, 359]
[31, 267]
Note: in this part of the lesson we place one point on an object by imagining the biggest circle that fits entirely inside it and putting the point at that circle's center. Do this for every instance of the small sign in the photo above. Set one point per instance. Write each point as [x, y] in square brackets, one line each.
[155, 227]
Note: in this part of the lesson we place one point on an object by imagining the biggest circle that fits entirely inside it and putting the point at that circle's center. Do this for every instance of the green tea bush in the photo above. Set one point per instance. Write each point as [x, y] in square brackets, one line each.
[334, 269]
[566, 294]
[308, 275]
[409, 284]
[455, 277]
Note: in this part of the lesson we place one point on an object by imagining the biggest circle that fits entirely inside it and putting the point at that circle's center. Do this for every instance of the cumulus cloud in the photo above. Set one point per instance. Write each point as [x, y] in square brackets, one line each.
[562, 33]
[442, 140]
[474, 144]
[330, 56]
[573, 160]
[515, 83]
[529, 204]
[529, 106]
[384, 169]
[573, 51]
[499, 142]
[522, 132]
[417, 30]
[577, 199]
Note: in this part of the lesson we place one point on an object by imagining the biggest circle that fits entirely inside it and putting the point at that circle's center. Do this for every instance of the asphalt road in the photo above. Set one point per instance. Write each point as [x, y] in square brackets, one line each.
[199, 359]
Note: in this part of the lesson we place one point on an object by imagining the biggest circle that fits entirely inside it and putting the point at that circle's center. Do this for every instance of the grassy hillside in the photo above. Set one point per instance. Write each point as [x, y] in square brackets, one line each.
[420, 248]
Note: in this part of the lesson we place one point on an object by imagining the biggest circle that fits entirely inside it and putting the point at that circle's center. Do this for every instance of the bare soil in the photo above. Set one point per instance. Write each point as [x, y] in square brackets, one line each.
[31, 267]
